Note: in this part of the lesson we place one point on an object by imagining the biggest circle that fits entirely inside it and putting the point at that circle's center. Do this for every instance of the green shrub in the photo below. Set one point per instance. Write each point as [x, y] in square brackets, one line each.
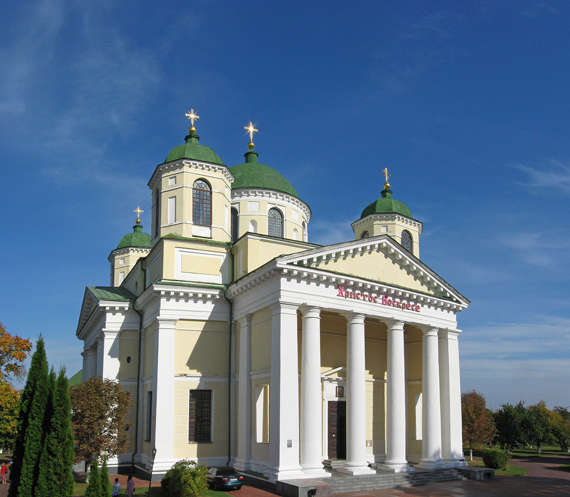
[496, 459]
[185, 479]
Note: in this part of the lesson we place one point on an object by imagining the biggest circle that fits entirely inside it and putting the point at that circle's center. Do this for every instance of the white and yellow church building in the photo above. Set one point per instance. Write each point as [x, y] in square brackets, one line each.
[242, 343]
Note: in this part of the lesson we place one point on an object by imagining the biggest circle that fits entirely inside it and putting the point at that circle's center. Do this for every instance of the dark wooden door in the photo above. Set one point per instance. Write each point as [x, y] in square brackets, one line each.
[337, 430]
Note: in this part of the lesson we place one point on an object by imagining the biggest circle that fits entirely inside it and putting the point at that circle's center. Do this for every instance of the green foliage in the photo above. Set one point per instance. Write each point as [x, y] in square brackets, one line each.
[55, 473]
[94, 487]
[106, 487]
[9, 406]
[509, 423]
[496, 459]
[561, 428]
[185, 479]
[30, 430]
[478, 426]
[538, 425]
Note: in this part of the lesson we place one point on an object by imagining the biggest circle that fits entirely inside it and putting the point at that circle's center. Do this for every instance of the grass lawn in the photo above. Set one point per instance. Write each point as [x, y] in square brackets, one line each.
[525, 452]
[512, 471]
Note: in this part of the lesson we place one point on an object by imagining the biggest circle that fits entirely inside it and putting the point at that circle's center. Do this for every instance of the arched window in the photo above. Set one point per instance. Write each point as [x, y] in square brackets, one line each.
[364, 234]
[156, 212]
[407, 241]
[305, 237]
[202, 203]
[235, 224]
[275, 223]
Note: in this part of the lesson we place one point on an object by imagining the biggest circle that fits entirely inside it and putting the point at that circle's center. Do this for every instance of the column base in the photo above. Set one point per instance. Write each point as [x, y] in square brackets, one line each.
[241, 465]
[455, 463]
[396, 467]
[315, 472]
[427, 464]
[275, 474]
[356, 469]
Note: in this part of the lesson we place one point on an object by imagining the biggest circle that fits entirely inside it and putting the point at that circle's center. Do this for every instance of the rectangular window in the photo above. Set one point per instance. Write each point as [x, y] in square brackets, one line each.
[171, 210]
[200, 416]
[262, 414]
[121, 277]
[172, 180]
[148, 431]
[419, 431]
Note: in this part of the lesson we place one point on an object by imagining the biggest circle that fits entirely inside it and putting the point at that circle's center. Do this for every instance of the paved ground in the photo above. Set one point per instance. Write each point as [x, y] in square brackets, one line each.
[545, 479]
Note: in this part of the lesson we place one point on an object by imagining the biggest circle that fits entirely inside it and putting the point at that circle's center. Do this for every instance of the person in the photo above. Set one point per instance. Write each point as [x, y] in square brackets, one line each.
[116, 488]
[3, 471]
[130, 486]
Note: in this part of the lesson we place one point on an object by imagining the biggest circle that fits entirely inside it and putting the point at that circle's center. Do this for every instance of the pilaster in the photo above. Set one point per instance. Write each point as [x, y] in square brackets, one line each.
[284, 395]
[244, 403]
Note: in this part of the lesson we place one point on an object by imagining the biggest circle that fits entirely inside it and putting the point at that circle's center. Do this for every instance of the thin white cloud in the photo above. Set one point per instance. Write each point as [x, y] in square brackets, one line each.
[325, 232]
[551, 175]
[544, 249]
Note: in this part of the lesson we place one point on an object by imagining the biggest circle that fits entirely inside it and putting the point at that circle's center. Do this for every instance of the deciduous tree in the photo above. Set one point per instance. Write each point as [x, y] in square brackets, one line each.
[98, 419]
[509, 423]
[13, 353]
[30, 428]
[9, 405]
[478, 426]
[538, 425]
[561, 429]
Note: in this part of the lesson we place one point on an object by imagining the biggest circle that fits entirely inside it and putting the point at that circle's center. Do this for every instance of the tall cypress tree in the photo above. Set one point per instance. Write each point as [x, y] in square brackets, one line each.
[55, 472]
[94, 487]
[29, 438]
[105, 483]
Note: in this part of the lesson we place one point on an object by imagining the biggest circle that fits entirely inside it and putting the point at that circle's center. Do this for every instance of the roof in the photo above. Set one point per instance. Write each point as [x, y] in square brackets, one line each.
[192, 150]
[135, 239]
[252, 174]
[76, 378]
[386, 205]
[114, 293]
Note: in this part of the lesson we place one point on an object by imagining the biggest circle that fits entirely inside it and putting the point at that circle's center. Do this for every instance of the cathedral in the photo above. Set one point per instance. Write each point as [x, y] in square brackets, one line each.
[241, 343]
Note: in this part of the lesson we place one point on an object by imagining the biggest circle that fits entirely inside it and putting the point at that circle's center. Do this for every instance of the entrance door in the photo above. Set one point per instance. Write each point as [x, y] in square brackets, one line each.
[337, 429]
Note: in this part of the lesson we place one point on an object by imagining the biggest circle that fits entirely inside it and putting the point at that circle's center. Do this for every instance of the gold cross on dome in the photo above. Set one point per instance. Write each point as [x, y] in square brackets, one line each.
[193, 117]
[387, 175]
[139, 211]
[251, 130]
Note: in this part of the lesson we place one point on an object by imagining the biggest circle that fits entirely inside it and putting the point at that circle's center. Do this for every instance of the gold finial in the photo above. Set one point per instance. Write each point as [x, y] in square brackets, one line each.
[387, 175]
[251, 130]
[193, 117]
[139, 211]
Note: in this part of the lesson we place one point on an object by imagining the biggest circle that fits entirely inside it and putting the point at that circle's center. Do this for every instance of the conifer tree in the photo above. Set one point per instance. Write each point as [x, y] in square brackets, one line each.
[105, 483]
[30, 431]
[55, 472]
[94, 487]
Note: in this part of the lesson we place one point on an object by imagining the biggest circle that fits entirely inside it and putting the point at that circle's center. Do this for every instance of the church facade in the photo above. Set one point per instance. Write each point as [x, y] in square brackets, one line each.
[242, 343]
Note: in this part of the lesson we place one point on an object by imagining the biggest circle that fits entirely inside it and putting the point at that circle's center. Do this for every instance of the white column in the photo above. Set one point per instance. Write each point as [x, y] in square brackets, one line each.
[452, 438]
[89, 363]
[244, 403]
[110, 346]
[100, 356]
[163, 394]
[431, 414]
[311, 394]
[233, 394]
[356, 463]
[284, 395]
[396, 401]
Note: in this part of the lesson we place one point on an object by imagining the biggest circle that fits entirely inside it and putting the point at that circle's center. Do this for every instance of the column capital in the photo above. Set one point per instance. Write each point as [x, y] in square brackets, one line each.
[165, 323]
[244, 320]
[394, 324]
[284, 308]
[429, 330]
[450, 334]
[310, 311]
[354, 317]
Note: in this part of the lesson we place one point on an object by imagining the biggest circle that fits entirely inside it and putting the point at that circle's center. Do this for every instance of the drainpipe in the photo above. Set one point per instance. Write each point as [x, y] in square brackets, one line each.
[230, 407]
[138, 376]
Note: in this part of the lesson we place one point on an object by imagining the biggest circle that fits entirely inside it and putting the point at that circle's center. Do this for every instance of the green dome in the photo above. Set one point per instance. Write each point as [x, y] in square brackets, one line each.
[252, 174]
[386, 205]
[191, 150]
[135, 239]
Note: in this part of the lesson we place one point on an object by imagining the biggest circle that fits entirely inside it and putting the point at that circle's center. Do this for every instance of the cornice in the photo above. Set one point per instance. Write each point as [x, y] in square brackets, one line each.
[185, 163]
[389, 217]
[166, 292]
[245, 193]
[126, 250]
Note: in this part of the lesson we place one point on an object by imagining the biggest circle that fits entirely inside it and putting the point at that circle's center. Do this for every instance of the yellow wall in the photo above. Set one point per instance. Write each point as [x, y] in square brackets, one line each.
[128, 348]
[392, 228]
[413, 374]
[201, 347]
[148, 364]
[261, 340]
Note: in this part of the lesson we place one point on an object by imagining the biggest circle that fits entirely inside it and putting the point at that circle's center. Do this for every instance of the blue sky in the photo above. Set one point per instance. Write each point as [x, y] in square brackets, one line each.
[466, 103]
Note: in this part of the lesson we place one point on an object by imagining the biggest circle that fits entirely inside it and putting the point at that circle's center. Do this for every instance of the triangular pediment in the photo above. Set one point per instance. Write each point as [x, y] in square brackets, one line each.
[94, 295]
[379, 259]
